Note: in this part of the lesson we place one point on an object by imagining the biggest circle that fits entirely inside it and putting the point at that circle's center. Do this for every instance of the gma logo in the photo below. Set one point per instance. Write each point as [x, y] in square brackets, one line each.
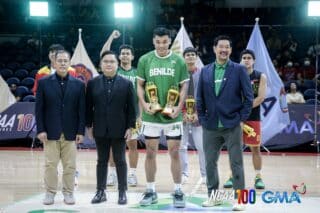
[280, 197]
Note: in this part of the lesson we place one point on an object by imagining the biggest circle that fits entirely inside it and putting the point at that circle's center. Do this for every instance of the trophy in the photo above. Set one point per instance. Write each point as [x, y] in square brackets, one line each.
[136, 130]
[190, 106]
[249, 131]
[151, 90]
[172, 97]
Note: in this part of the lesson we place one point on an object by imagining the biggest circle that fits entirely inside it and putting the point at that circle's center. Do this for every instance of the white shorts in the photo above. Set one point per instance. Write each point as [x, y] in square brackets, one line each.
[155, 129]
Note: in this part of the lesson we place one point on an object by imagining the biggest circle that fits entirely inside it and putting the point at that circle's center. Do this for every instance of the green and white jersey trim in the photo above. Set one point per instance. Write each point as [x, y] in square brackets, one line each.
[161, 125]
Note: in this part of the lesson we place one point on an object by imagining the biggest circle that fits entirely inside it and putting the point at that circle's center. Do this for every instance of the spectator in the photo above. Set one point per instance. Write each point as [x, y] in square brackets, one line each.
[289, 72]
[290, 44]
[274, 44]
[13, 89]
[294, 97]
[313, 50]
[307, 71]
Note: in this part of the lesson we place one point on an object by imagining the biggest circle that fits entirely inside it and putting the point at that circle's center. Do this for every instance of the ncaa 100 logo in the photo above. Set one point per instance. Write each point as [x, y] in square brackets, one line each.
[25, 122]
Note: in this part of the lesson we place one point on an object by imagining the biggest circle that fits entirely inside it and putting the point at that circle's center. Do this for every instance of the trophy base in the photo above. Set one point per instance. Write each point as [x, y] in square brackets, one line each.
[190, 117]
[156, 108]
[167, 111]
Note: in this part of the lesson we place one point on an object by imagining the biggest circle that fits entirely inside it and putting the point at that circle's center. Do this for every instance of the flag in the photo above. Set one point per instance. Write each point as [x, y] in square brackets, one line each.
[7, 98]
[274, 111]
[183, 41]
[82, 63]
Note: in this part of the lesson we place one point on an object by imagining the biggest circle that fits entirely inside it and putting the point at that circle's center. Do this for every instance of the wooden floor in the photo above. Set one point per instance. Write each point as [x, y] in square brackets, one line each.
[21, 174]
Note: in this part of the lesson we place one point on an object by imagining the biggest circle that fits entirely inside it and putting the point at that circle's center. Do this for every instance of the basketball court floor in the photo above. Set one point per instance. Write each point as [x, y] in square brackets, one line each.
[21, 184]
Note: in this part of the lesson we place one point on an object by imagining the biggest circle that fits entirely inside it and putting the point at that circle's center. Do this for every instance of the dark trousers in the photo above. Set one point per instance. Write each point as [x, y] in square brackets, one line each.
[119, 156]
[213, 141]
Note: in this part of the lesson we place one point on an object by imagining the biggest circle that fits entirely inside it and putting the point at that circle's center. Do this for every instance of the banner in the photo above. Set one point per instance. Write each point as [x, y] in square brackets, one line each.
[300, 129]
[82, 63]
[274, 113]
[18, 121]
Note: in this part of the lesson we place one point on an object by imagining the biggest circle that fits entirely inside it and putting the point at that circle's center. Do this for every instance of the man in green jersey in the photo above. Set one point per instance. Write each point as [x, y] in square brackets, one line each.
[126, 56]
[164, 69]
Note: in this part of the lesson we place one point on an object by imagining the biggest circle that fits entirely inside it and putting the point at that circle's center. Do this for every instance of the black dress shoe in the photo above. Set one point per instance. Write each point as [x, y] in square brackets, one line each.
[99, 197]
[122, 198]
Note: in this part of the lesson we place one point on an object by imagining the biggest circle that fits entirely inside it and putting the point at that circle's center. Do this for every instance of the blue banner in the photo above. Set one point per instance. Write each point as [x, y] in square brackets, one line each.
[300, 130]
[18, 121]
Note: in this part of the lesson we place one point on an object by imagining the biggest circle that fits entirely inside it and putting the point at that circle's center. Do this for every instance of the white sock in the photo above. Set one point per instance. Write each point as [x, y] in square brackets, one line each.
[132, 171]
[112, 170]
[258, 172]
[177, 186]
[151, 186]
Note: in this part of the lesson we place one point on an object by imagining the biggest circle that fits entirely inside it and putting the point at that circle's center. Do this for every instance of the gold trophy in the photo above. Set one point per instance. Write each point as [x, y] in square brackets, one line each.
[190, 106]
[136, 130]
[248, 130]
[172, 97]
[152, 94]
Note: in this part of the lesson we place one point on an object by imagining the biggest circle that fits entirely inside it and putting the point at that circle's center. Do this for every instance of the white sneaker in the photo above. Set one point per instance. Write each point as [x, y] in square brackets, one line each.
[132, 180]
[184, 179]
[238, 207]
[211, 203]
[112, 179]
[69, 199]
[48, 199]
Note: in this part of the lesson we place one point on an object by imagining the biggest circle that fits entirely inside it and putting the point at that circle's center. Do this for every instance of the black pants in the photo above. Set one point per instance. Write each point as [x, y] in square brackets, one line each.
[119, 155]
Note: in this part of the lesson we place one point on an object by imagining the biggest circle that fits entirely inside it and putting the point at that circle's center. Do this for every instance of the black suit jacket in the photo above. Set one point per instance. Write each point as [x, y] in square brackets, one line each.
[110, 119]
[57, 114]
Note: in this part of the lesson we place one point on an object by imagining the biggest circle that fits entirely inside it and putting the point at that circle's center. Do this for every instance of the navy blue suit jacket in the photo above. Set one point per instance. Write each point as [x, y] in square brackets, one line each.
[57, 114]
[110, 118]
[232, 104]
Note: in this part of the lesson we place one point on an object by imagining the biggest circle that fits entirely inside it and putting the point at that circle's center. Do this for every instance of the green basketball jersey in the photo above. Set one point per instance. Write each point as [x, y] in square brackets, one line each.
[131, 75]
[164, 72]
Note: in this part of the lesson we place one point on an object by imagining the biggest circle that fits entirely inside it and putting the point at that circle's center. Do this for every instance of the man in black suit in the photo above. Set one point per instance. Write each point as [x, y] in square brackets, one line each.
[60, 116]
[110, 115]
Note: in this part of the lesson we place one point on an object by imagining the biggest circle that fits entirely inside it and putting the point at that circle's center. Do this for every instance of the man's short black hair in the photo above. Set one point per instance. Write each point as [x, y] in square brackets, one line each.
[161, 31]
[61, 52]
[126, 46]
[55, 47]
[222, 37]
[190, 50]
[108, 52]
[247, 51]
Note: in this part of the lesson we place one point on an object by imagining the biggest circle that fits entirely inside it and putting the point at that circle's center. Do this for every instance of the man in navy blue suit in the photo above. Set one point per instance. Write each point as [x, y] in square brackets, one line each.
[224, 102]
[60, 116]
